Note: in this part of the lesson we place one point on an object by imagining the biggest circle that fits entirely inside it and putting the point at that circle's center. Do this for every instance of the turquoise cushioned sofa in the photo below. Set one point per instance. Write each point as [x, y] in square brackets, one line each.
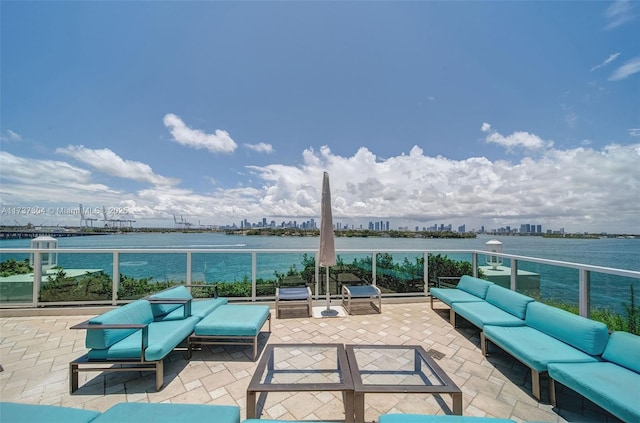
[613, 384]
[548, 335]
[469, 289]
[176, 311]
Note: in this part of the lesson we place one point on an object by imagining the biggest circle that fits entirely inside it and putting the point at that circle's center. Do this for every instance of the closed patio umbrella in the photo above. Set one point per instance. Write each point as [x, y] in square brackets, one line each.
[327, 251]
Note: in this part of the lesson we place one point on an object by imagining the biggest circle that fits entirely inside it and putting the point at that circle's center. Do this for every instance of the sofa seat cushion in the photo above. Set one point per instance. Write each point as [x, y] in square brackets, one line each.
[176, 292]
[233, 320]
[534, 348]
[169, 413]
[27, 413]
[137, 312]
[453, 295]
[163, 338]
[612, 387]
[199, 309]
[582, 333]
[428, 418]
[623, 349]
[483, 313]
[510, 301]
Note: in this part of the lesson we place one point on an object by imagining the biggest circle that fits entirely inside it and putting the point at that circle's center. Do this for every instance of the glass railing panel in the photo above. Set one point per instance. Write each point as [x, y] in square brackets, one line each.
[231, 272]
[400, 273]
[78, 277]
[615, 301]
[446, 268]
[16, 278]
[142, 274]
[283, 270]
[555, 285]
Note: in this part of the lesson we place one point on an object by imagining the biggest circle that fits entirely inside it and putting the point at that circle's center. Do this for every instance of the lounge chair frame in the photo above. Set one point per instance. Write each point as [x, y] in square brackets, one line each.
[361, 294]
[294, 302]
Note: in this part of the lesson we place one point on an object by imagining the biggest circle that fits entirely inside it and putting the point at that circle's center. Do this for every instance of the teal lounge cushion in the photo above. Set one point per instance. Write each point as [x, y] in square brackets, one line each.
[453, 295]
[29, 413]
[170, 413]
[233, 320]
[510, 301]
[428, 418]
[482, 313]
[582, 333]
[623, 349]
[163, 338]
[177, 292]
[534, 348]
[612, 387]
[199, 309]
[138, 312]
[474, 286]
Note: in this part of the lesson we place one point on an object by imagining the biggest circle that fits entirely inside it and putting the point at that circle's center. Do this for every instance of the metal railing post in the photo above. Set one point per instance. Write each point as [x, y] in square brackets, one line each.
[37, 277]
[316, 293]
[188, 279]
[474, 264]
[425, 270]
[254, 271]
[116, 277]
[514, 275]
[373, 268]
[584, 293]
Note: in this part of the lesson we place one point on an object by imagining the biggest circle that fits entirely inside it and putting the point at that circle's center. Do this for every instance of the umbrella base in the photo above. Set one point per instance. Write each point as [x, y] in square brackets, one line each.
[334, 311]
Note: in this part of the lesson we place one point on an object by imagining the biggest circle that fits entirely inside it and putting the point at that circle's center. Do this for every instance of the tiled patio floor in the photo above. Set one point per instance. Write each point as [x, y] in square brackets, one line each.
[35, 353]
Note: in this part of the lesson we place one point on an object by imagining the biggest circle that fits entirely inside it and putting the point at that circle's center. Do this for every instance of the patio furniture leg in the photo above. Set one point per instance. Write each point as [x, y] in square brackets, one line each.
[251, 405]
[535, 383]
[452, 317]
[358, 405]
[159, 374]
[552, 392]
[73, 377]
[457, 403]
[483, 343]
[349, 403]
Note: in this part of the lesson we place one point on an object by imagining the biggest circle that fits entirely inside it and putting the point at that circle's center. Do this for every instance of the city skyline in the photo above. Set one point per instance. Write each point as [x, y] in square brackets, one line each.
[473, 113]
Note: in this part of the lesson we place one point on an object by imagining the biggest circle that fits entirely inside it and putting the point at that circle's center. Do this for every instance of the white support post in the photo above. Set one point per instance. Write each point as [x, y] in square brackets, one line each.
[474, 264]
[514, 274]
[584, 293]
[188, 280]
[37, 277]
[254, 267]
[116, 277]
[373, 268]
[425, 270]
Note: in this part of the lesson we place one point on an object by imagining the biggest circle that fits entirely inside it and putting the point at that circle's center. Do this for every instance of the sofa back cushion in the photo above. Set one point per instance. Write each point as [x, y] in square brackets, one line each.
[136, 312]
[180, 291]
[623, 349]
[474, 286]
[579, 332]
[510, 301]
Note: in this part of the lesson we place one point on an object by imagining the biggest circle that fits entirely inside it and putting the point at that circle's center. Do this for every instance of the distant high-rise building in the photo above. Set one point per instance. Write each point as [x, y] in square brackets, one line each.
[462, 229]
[539, 229]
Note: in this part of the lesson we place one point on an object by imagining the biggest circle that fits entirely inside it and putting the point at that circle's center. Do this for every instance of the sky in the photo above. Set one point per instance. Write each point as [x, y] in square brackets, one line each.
[479, 113]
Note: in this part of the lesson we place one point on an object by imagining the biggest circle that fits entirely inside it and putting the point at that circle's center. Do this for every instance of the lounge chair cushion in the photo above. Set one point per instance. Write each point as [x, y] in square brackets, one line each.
[510, 301]
[163, 338]
[199, 309]
[482, 314]
[475, 286]
[233, 320]
[174, 293]
[623, 349]
[582, 333]
[28, 413]
[137, 312]
[293, 294]
[169, 413]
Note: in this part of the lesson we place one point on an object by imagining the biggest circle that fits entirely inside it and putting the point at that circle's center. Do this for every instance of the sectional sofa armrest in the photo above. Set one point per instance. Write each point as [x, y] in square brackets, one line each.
[128, 326]
[186, 302]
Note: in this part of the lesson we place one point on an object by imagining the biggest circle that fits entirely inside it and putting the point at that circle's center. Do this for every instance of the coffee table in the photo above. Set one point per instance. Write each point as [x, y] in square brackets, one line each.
[397, 369]
[299, 368]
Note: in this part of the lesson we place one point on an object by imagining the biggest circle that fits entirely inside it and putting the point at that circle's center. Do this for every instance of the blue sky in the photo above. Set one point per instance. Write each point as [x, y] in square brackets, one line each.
[476, 113]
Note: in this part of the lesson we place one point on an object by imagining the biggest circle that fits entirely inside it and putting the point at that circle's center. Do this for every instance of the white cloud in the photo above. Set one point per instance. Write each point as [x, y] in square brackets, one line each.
[10, 136]
[619, 13]
[634, 132]
[518, 139]
[108, 162]
[608, 60]
[626, 70]
[219, 142]
[260, 147]
[575, 188]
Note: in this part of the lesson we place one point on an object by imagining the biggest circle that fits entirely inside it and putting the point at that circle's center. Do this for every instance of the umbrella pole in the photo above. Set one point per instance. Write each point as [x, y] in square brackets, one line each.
[329, 312]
